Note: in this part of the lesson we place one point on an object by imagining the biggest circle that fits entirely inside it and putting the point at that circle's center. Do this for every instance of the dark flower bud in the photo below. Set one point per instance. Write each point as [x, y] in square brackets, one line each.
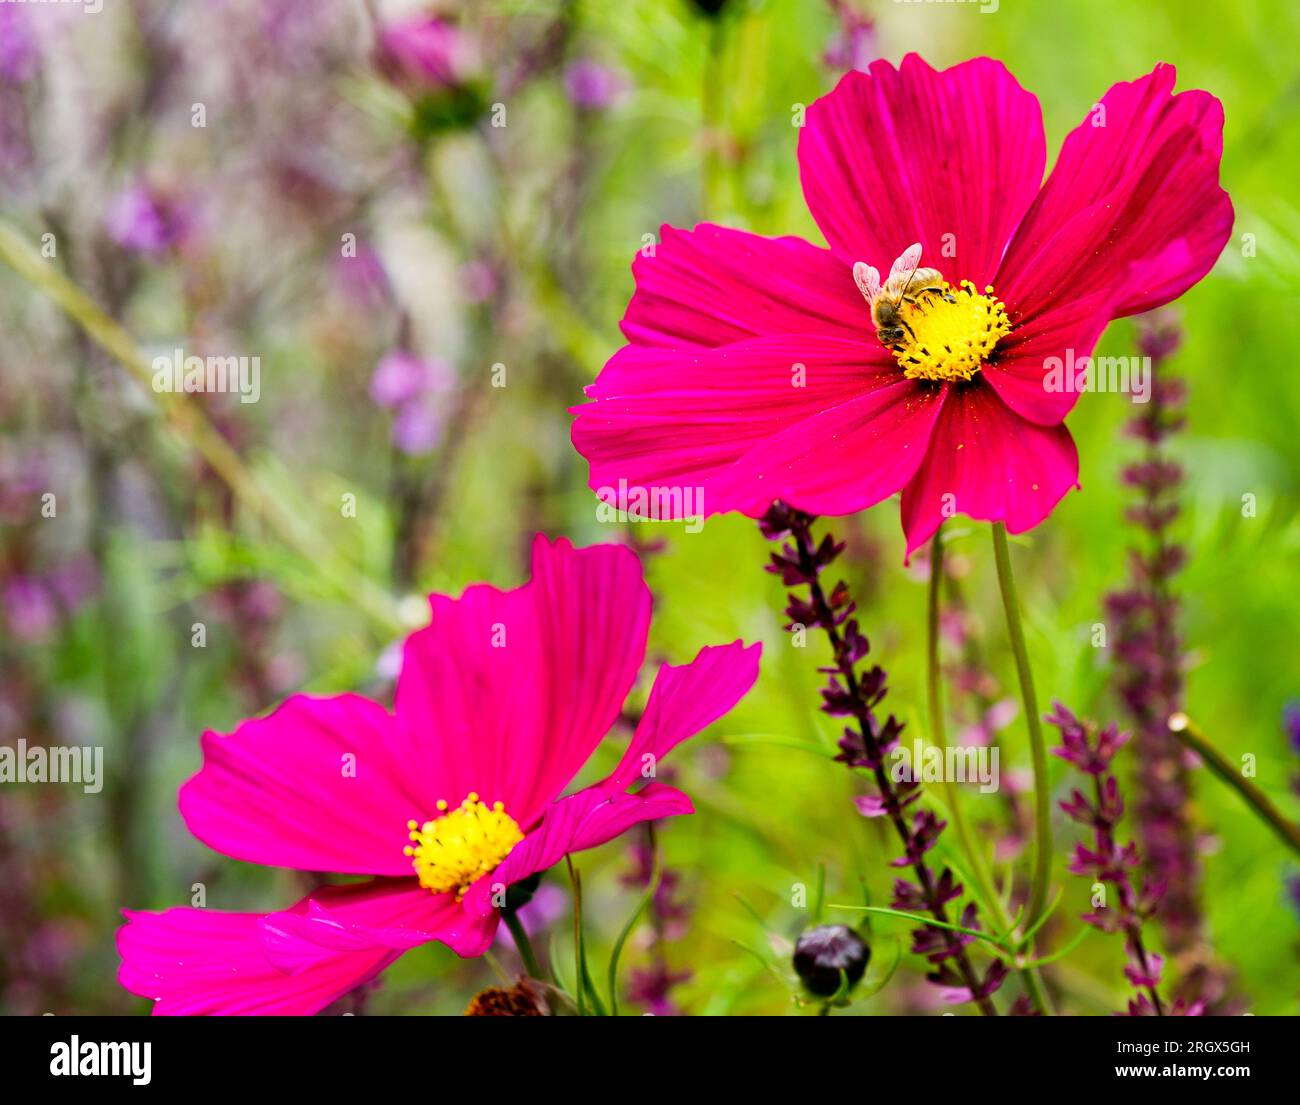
[524, 999]
[823, 952]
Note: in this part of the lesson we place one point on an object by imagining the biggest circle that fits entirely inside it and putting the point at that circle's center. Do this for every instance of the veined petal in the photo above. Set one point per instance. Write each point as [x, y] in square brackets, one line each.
[685, 700]
[987, 463]
[840, 460]
[388, 913]
[1133, 206]
[1032, 360]
[580, 821]
[507, 693]
[673, 419]
[204, 961]
[312, 785]
[713, 286]
[951, 159]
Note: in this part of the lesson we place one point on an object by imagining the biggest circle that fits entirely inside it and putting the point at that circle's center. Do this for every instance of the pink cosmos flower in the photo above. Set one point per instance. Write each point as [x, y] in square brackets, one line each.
[447, 799]
[753, 371]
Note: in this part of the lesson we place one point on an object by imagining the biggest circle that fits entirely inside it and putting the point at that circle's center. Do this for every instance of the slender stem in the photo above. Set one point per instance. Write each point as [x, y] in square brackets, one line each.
[578, 973]
[1186, 731]
[587, 991]
[938, 730]
[191, 426]
[1037, 747]
[522, 944]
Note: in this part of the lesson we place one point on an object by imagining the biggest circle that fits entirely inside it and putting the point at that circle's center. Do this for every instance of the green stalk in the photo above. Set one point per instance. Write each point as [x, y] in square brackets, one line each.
[522, 944]
[1190, 735]
[1037, 748]
[975, 857]
[585, 987]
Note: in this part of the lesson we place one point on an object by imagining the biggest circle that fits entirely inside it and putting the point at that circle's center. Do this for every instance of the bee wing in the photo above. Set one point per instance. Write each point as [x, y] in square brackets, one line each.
[908, 262]
[867, 279]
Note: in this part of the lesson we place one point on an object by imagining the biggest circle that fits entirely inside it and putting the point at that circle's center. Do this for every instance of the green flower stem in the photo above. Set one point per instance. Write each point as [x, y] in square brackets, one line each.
[191, 427]
[522, 944]
[1037, 748]
[1190, 735]
[975, 857]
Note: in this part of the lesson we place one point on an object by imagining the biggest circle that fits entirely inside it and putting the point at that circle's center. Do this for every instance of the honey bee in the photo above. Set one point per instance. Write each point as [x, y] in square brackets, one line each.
[906, 283]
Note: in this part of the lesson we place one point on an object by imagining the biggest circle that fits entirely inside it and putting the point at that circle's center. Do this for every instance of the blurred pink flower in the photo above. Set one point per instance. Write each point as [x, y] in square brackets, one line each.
[362, 279]
[401, 376]
[486, 733]
[478, 281]
[417, 389]
[425, 53]
[753, 370]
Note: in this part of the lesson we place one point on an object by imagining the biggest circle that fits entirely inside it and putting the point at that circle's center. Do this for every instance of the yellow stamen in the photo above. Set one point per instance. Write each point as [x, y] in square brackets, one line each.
[456, 848]
[952, 333]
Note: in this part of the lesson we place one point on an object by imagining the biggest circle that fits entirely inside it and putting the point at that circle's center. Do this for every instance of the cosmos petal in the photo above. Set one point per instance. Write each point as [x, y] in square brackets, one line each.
[678, 421]
[950, 158]
[203, 961]
[987, 463]
[507, 693]
[1132, 207]
[579, 821]
[683, 701]
[312, 786]
[713, 286]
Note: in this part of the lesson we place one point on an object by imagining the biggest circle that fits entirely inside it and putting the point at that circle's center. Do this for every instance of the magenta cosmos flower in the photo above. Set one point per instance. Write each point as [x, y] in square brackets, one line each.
[753, 370]
[447, 799]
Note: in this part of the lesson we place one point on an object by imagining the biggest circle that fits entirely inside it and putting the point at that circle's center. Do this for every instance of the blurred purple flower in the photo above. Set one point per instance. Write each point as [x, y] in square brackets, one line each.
[74, 581]
[592, 85]
[1291, 722]
[29, 607]
[401, 376]
[855, 44]
[651, 987]
[417, 428]
[143, 220]
[19, 55]
[425, 53]
[416, 389]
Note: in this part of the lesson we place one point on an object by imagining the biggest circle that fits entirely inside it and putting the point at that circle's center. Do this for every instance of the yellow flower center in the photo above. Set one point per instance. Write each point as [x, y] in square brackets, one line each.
[456, 848]
[950, 333]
